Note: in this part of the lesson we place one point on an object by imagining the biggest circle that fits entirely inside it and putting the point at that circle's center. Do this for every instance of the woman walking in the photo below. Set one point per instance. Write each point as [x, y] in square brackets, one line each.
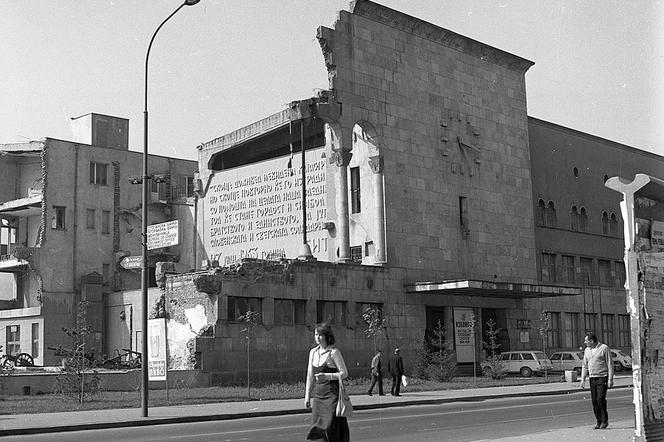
[325, 370]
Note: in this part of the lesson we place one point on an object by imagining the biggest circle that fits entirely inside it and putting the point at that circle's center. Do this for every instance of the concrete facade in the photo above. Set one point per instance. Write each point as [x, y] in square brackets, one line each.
[69, 216]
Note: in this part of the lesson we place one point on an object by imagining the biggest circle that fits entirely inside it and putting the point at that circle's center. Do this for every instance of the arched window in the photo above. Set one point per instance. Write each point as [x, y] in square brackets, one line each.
[613, 225]
[551, 220]
[605, 223]
[583, 220]
[574, 218]
[540, 216]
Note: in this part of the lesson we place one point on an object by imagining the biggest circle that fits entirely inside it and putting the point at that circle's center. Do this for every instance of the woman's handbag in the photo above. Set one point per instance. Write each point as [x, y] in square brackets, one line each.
[344, 407]
[404, 380]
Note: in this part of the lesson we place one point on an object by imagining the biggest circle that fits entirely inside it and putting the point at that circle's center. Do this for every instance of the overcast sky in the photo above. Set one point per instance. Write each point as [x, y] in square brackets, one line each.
[222, 64]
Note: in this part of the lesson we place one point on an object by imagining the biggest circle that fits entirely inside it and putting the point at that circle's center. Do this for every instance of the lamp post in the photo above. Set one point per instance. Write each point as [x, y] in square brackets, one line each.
[144, 227]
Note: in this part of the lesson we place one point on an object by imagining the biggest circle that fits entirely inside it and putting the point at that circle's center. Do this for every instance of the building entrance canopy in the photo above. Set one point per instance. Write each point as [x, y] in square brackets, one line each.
[469, 287]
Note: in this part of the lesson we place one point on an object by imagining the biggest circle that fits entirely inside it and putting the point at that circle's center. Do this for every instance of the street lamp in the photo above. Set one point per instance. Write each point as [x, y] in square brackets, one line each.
[144, 227]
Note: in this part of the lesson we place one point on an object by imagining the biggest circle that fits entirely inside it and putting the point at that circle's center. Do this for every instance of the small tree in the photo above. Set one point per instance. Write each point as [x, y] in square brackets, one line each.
[375, 324]
[78, 376]
[544, 327]
[443, 362]
[493, 365]
[251, 320]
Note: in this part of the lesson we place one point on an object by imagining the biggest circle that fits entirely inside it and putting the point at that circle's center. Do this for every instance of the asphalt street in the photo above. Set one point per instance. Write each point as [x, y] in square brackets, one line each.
[470, 420]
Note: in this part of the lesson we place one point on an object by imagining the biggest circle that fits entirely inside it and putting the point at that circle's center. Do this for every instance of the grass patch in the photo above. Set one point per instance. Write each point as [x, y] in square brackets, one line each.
[51, 403]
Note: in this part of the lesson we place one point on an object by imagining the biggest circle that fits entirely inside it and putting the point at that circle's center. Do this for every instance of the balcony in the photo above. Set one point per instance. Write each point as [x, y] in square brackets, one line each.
[27, 206]
[17, 258]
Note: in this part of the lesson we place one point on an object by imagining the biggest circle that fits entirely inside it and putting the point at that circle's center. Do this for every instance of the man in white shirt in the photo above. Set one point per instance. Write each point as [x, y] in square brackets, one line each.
[598, 365]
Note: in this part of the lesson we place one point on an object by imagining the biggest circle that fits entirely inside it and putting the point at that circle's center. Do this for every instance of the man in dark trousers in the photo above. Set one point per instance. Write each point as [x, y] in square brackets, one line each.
[376, 374]
[597, 364]
[395, 367]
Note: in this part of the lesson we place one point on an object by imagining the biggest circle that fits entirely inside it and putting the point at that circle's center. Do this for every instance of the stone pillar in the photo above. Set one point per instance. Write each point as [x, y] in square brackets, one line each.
[376, 164]
[341, 158]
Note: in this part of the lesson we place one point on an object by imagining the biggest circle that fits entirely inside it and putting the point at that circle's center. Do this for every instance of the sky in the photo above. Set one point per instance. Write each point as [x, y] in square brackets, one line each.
[220, 65]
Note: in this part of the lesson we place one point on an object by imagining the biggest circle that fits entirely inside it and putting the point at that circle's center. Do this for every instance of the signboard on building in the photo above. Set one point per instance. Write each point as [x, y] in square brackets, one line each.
[157, 356]
[131, 262]
[255, 211]
[464, 335]
[163, 235]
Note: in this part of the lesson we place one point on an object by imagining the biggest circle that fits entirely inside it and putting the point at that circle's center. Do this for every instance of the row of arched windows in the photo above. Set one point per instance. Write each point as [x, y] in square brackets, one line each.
[546, 216]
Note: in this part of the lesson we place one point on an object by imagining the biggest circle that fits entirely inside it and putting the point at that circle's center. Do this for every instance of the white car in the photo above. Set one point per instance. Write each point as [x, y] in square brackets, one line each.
[567, 360]
[525, 362]
[621, 360]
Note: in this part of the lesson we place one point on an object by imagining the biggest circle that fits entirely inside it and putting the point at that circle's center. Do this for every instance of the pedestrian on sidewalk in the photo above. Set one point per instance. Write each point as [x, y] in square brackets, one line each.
[325, 371]
[395, 367]
[597, 364]
[376, 374]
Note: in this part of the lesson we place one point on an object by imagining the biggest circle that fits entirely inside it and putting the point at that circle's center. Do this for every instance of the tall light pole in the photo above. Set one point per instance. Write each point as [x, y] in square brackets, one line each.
[144, 227]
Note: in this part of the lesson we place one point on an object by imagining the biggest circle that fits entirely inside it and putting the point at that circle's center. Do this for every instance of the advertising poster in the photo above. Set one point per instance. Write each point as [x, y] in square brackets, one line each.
[464, 336]
[157, 357]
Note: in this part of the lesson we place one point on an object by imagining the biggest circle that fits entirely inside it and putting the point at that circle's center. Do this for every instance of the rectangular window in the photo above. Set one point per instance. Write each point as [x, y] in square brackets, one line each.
[35, 340]
[553, 334]
[590, 322]
[463, 212]
[355, 190]
[607, 330]
[240, 306]
[356, 254]
[58, 219]
[620, 274]
[568, 271]
[587, 274]
[90, 218]
[548, 267]
[573, 338]
[106, 221]
[289, 311]
[332, 312]
[624, 331]
[13, 339]
[98, 173]
[604, 268]
[158, 190]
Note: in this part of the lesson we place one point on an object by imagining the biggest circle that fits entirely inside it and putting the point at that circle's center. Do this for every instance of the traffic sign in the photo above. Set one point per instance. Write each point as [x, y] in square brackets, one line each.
[131, 262]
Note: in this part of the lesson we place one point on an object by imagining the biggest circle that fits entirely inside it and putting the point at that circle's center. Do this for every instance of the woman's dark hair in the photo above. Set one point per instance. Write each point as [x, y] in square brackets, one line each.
[592, 337]
[326, 331]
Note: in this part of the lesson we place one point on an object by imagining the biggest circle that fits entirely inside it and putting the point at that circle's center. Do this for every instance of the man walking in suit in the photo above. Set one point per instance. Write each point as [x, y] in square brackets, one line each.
[597, 364]
[395, 367]
[376, 374]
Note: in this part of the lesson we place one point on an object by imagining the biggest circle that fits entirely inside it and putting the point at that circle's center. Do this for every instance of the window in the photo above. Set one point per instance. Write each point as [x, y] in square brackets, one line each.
[58, 219]
[571, 327]
[587, 274]
[541, 213]
[355, 190]
[7, 236]
[583, 220]
[551, 219]
[361, 307]
[604, 267]
[356, 254]
[158, 189]
[590, 322]
[98, 173]
[624, 331]
[568, 270]
[106, 221]
[35, 339]
[13, 339]
[605, 223]
[620, 274]
[332, 312]
[613, 225]
[240, 306]
[289, 311]
[548, 267]
[607, 330]
[574, 219]
[553, 334]
[463, 213]
[369, 249]
[515, 357]
[90, 218]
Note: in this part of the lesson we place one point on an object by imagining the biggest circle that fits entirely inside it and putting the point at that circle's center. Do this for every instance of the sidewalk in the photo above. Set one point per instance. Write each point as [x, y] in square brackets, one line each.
[97, 419]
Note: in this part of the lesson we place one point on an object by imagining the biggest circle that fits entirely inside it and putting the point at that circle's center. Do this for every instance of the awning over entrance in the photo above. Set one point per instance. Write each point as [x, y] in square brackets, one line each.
[468, 287]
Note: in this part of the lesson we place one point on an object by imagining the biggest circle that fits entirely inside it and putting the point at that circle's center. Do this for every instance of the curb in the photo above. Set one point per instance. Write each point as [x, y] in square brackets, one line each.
[232, 416]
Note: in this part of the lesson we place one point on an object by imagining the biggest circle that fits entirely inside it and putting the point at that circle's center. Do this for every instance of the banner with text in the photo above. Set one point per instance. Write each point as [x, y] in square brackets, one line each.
[464, 336]
[255, 211]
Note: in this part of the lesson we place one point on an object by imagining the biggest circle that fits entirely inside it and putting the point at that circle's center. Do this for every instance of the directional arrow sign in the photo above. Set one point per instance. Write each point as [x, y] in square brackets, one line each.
[132, 262]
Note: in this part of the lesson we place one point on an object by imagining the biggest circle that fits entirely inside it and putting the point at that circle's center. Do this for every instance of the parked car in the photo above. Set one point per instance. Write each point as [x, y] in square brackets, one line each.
[621, 360]
[567, 360]
[525, 362]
